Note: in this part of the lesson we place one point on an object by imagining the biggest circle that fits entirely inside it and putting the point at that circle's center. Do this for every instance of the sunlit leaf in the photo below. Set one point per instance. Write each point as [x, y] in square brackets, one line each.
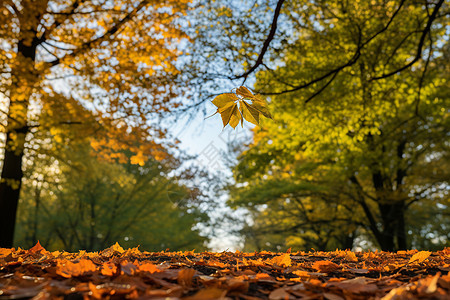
[250, 107]
[420, 256]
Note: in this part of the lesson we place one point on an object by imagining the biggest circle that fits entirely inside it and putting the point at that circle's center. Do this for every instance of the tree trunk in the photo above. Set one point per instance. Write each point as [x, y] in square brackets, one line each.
[9, 190]
[393, 234]
[401, 232]
[23, 79]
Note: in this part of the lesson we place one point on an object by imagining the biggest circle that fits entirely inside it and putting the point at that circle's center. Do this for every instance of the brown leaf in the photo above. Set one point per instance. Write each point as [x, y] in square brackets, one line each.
[185, 277]
[325, 266]
[280, 294]
[128, 268]
[330, 296]
[208, 294]
[356, 285]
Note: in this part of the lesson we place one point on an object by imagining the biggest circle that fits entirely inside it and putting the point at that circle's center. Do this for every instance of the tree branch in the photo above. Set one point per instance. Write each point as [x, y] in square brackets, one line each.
[266, 44]
[110, 32]
[420, 46]
[58, 22]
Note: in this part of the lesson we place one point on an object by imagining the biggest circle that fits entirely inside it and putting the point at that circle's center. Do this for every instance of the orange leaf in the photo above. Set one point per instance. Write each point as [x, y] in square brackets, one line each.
[301, 273]
[263, 276]
[36, 248]
[148, 267]
[419, 256]
[282, 260]
[350, 256]
[6, 251]
[109, 269]
[69, 269]
[325, 266]
[116, 248]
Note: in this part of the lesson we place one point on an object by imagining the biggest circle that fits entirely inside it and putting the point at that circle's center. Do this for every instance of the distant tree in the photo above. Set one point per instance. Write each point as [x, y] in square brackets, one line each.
[80, 201]
[117, 59]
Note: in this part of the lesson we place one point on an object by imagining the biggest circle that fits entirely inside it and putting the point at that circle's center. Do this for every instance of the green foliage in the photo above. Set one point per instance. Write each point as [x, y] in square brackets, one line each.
[82, 202]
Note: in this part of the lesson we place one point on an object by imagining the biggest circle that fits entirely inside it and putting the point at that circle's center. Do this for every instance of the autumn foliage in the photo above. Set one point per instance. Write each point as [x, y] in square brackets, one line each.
[116, 273]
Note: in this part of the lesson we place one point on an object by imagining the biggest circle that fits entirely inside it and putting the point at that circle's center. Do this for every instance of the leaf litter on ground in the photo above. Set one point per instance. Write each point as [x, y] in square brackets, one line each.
[116, 273]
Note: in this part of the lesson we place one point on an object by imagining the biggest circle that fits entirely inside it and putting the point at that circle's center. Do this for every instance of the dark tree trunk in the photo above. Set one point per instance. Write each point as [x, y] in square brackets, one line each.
[9, 190]
[401, 232]
[23, 78]
[393, 219]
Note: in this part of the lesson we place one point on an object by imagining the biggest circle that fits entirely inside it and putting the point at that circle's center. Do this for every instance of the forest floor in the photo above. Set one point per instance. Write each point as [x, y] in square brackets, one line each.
[115, 273]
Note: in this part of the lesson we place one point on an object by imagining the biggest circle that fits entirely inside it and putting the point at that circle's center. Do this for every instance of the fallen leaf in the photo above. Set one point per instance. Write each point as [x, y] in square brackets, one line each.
[185, 277]
[350, 256]
[149, 267]
[419, 257]
[325, 266]
[108, 269]
[330, 296]
[128, 268]
[36, 248]
[283, 260]
[280, 294]
[67, 269]
[208, 294]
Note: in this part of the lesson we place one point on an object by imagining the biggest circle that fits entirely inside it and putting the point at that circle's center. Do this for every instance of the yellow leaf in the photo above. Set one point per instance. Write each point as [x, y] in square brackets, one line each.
[224, 99]
[261, 106]
[232, 114]
[282, 260]
[419, 256]
[235, 117]
[249, 113]
[244, 92]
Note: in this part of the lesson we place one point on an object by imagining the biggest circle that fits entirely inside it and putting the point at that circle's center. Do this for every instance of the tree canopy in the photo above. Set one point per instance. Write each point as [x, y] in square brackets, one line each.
[101, 68]
[365, 145]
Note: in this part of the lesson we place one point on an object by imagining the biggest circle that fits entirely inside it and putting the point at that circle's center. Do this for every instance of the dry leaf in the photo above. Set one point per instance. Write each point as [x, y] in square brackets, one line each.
[419, 257]
[68, 269]
[325, 266]
[185, 277]
[36, 248]
[330, 296]
[208, 294]
[282, 260]
[280, 294]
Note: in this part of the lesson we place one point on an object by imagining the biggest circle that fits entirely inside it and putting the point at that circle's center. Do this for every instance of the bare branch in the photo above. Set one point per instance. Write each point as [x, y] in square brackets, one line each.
[266, 44]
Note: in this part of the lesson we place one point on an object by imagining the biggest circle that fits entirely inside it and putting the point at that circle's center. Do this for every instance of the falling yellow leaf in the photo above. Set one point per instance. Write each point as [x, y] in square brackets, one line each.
[232, 114]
